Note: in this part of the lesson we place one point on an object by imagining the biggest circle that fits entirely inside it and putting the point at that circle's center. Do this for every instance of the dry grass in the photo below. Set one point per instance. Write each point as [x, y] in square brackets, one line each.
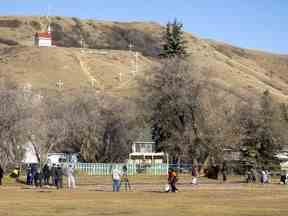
[240, 72]
[208, 198]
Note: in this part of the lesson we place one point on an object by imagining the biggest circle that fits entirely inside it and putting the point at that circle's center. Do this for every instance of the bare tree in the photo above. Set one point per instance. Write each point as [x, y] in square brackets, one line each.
[171, 99]
[43, 126]
[100, 127]
[9, 116]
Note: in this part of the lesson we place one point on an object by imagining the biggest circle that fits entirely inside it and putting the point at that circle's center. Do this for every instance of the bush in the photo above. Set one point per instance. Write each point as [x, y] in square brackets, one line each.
[13, 23]
[35, 25]
[8, 41]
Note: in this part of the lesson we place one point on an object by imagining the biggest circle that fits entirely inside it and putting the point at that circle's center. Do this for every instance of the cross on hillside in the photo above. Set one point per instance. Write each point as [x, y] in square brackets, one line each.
[130, 46]
[27, 88]
[60, 84]
[93, 82]
[39, 97]
[82, 43]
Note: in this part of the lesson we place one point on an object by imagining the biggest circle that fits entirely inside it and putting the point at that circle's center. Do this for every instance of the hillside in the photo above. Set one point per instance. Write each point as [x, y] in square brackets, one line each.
[107, 64]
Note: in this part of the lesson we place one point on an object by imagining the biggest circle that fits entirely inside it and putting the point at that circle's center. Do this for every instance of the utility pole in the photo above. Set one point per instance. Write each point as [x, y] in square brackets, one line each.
[48, 14]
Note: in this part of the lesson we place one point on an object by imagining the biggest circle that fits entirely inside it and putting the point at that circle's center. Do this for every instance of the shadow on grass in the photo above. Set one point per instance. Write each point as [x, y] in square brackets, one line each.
[154, 191]
[99, 190]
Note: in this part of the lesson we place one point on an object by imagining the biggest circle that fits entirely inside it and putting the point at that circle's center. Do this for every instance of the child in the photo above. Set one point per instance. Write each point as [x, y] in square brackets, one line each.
[172, 179]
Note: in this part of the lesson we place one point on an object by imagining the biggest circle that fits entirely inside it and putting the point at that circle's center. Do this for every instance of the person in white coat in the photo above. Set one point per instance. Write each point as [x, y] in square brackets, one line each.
[71, 177]
[116, 179]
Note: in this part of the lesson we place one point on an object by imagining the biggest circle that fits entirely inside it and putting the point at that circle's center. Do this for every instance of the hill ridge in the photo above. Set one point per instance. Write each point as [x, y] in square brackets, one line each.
[241, 72]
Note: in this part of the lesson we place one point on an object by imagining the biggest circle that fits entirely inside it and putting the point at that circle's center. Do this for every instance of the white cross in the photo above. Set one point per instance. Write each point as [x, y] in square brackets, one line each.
[27, 88]
[120, 76]
[131, 46]
[39, 97]
[60, 84]
[82, 43]
[93, 81]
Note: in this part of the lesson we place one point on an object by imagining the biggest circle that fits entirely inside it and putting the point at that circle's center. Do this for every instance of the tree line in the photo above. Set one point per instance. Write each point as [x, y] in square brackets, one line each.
[187, 117]
[98, 126]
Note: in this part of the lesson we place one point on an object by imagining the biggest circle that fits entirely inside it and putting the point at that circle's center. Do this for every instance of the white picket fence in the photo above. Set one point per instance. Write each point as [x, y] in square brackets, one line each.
[105, 169]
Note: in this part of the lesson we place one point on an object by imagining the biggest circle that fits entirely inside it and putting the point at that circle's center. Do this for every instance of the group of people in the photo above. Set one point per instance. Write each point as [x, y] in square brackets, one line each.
[264, 176]
[119, 177]
[53, 176]
[50, 176]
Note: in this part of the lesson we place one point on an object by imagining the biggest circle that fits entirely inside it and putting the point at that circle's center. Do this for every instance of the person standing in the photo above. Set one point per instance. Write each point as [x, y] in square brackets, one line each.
[70, 177]
[264, 177]
[284, 177]
[194, 175]
[125, 178]
[29, 176]
[53, 175]
[33, 172]
[46, 174]
[59, 176]
[116, 178]
[172, 179]
[38, 178]
[224, 171]
[1, 174]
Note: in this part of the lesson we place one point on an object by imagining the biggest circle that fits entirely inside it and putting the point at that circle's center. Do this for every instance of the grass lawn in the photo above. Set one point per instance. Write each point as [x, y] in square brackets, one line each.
[93, 197]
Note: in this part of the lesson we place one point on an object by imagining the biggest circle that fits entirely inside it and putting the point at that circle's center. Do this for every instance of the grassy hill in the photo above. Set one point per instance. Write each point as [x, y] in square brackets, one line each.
[107, 64]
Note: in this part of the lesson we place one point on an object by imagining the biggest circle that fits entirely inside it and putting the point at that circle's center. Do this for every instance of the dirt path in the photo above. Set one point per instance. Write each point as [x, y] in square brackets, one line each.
[94, 82]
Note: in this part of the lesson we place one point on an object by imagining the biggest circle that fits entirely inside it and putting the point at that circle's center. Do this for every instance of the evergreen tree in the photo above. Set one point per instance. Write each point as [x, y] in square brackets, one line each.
[248, 137]
[258, 143]
[268, 145]
[174, 45]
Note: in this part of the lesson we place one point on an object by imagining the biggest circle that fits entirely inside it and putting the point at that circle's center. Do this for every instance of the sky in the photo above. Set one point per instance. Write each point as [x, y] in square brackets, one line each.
[256, 24]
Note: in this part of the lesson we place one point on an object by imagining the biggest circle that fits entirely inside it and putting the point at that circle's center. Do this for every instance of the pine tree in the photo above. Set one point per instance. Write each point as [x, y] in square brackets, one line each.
[266, 137]
[174, 45]
[258, 143]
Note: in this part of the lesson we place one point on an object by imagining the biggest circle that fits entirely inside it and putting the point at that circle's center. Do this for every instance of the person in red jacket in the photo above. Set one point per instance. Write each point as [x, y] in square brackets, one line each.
[172, 179]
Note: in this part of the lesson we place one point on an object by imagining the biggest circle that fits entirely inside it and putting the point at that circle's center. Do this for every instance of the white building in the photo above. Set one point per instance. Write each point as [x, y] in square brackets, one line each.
[56, 158]
[283, 157]
[30, 157]
[143, 154]
[43, 39]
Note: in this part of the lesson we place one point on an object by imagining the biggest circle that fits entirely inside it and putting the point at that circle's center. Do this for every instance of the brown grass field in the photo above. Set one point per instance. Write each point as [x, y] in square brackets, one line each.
[94, 197]
[233, 71]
